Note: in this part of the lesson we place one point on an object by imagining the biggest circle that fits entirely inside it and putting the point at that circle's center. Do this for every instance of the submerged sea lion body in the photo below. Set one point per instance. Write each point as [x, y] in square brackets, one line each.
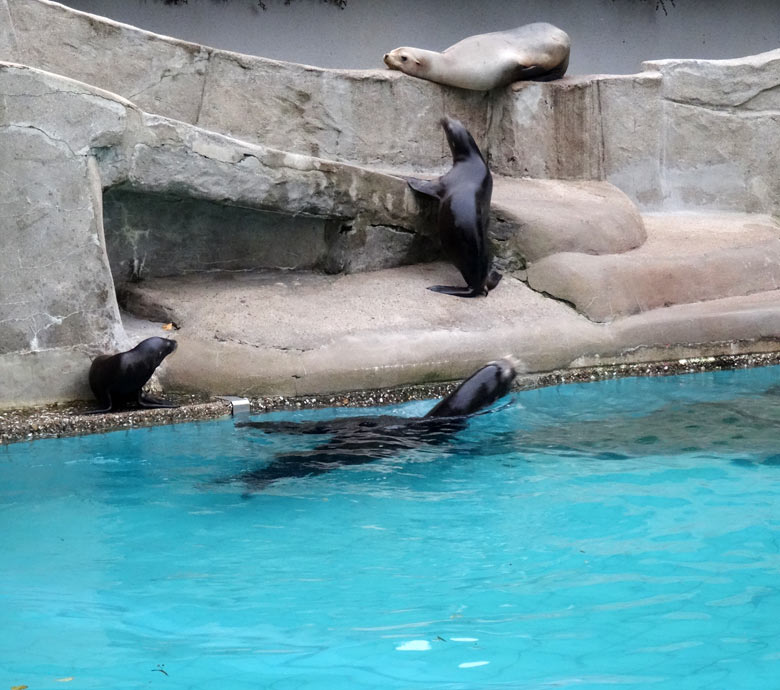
[119, 379]
[464, 195]
[358, 440]
[534, 52]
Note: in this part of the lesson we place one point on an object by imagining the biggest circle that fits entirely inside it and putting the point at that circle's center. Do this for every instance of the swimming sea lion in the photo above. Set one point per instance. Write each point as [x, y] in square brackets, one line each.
[464, 211]
[118, 379]
[534, 52]
[358, 440]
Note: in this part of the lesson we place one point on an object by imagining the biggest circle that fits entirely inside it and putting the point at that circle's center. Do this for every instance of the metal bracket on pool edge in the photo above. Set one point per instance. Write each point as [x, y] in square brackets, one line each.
[238, 406]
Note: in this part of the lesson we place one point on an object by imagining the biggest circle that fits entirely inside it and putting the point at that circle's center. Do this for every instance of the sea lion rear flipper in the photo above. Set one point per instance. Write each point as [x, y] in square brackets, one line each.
[427, 187]
[455, 291]
[149, 402]
[493, 279]
[107, 403]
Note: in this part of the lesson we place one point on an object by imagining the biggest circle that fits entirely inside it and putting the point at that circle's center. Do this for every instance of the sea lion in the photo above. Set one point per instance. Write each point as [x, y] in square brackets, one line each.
[359, 440]
[534, 52]
[118, 379]
[464, 211]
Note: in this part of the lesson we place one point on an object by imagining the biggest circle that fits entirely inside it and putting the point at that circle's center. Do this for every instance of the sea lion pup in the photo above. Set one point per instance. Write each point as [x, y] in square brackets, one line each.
[359, 440]
[118, 379]
[464, 211]
[534, 52]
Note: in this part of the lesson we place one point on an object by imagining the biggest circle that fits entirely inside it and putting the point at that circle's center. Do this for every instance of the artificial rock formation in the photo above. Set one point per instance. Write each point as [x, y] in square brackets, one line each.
[167, 161]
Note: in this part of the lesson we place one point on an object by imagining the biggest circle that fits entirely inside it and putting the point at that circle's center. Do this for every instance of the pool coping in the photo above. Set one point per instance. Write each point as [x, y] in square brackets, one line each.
[72, 419]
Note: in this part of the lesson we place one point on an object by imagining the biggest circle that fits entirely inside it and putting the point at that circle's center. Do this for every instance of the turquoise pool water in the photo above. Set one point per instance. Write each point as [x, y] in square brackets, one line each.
[619, 534]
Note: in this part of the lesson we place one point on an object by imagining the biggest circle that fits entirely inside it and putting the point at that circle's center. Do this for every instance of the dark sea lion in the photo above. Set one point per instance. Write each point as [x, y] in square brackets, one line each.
[359, 440]
[118, 379]
[464, 211]
[534, 52]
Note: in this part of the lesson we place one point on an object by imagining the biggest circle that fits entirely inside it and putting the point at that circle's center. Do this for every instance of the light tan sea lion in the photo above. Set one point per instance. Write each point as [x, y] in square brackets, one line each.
[534, 52]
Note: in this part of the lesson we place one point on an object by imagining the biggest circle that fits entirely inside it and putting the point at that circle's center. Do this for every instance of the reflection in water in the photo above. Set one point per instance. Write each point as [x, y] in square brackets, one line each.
[743, 426]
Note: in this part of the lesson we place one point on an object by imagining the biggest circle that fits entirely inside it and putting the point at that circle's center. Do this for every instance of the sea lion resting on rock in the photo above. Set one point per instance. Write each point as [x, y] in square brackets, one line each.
[464, 211]
[534, 52]
[358, 440]
[118, 379]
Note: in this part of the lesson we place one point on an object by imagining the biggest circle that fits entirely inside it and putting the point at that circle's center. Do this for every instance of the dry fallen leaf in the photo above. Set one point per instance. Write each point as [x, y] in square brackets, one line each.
[19, 687]
[169, 326]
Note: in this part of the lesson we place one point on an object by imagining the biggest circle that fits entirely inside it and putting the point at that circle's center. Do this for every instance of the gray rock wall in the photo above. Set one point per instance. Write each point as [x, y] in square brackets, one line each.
[372, 117]
[681, 134]
[178, 199]
[721, 132]
[57, 300]
[8, 46]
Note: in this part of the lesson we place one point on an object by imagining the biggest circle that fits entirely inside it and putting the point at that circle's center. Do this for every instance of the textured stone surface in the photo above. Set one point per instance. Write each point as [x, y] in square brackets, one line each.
[164, 76]
[721, 129]
[590, 127]
[683, 134]
[151, 235]
[382, 329]
[685, 260]
[56, 289]
[534, 218]
[372, 117]
[359, 219]
[363, 116]
[8, 45]
[57, 300]
[63, 140]
[751, 82]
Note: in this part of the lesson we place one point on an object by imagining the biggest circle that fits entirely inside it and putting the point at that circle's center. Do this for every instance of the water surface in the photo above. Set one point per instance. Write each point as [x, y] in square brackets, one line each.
[617, 534]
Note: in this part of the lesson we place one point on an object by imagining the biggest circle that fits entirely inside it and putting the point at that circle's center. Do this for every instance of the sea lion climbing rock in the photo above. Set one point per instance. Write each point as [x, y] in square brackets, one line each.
[534, 52]
[118, 379]
[464, 211]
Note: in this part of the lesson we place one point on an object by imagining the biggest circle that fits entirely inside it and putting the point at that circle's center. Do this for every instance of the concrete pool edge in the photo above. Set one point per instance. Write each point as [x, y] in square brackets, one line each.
[70, 419]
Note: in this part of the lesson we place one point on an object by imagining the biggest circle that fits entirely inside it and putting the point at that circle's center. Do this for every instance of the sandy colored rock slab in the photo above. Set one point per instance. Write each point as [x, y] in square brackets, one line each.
[532, 219]
[687, 258]
[277, 333]
[295, 333]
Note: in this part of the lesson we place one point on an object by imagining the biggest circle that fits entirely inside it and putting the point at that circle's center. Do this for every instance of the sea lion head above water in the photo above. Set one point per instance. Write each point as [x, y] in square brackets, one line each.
[480, 390]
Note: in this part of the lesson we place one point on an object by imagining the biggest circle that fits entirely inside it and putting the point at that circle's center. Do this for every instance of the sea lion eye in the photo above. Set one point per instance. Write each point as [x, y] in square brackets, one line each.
[404, 58]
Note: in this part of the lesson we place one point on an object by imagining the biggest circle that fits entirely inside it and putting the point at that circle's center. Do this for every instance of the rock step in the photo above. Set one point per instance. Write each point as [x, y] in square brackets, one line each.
[687, 258]
[297, 333]
[531, 219]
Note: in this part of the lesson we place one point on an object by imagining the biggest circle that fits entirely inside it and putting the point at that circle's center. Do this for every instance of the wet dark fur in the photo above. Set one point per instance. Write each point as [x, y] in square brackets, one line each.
[358, 440]
[116, 380]
[464, 195]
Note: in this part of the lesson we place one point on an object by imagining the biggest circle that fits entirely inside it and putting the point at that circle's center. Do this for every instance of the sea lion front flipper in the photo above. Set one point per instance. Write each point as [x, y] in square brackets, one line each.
[455, 291]
[493, 279]
[427, 187]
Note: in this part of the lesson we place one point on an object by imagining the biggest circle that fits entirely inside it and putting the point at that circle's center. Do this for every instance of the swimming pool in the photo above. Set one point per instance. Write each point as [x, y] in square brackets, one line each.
[622, 533]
